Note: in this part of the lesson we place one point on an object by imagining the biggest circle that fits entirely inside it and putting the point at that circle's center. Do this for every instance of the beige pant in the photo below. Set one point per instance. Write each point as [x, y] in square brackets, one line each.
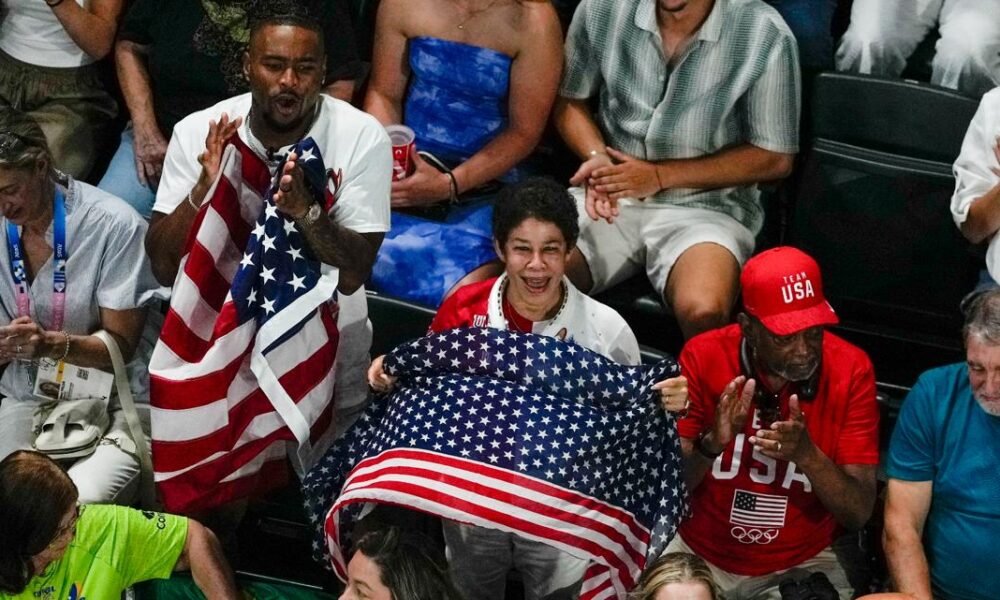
[765, 587]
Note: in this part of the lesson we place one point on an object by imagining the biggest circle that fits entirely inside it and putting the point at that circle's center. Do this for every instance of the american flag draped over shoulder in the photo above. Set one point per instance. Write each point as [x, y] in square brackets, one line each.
[242, 375]
[517, 432]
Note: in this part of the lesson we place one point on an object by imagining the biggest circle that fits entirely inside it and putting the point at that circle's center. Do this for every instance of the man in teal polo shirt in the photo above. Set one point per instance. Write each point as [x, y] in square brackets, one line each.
[942, 515]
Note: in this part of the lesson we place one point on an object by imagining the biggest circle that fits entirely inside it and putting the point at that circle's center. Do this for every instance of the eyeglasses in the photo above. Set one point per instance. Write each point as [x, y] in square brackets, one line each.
[67, 528]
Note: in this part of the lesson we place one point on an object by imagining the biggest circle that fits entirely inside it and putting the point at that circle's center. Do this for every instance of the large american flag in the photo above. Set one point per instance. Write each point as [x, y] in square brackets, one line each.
[242, 375]
[516, 432]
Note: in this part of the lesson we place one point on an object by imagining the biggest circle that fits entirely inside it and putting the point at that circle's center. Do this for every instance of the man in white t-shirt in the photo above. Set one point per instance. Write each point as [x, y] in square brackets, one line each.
[284, 66]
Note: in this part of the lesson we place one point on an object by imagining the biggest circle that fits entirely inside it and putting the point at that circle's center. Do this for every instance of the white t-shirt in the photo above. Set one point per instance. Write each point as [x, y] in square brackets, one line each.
[357, 152]
[974, 167]
[586, 321]
[32, 33]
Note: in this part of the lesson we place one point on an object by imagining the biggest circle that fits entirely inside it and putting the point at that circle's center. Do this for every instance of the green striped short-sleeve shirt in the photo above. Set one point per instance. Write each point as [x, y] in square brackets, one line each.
[737, 82]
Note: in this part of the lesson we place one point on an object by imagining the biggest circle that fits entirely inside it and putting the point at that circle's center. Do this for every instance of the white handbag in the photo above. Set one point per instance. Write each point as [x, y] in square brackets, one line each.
[71, 428]
[74, 428]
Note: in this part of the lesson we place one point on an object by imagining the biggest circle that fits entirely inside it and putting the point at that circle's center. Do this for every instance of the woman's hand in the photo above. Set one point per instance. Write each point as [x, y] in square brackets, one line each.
[378, 379]
[24, 339]
[673, 394]
[426, 186]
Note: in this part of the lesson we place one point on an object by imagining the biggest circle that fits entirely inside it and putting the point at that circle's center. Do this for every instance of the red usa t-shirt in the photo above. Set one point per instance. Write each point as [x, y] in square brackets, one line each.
[751, 514]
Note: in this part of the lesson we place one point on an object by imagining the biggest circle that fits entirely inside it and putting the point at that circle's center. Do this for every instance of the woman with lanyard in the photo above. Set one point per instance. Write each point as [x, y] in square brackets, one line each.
[72, 263]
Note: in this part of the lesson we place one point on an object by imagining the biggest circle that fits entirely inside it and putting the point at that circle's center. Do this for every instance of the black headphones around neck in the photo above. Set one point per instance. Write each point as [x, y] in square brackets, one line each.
[768, 402]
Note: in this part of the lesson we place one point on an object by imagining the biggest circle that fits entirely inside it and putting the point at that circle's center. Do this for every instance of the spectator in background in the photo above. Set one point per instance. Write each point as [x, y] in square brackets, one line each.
[180, 56]
[52, 547]
[697, 102]
[676, 576]
[884, 33]
[942, 521]
[781, 441]
[48, 51]
[475, 81]
[975, 205]
[108, 282]
[395, 564]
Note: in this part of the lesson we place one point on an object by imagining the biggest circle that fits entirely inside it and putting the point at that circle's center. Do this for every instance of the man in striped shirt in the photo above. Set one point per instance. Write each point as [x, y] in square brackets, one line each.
[697, 102]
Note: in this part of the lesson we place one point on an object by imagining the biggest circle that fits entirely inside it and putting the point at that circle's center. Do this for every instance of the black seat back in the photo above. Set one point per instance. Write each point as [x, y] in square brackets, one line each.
[872, 205]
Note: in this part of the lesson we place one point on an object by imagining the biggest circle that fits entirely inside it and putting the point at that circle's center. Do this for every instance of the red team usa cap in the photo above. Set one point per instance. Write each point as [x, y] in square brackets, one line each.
[783, 289]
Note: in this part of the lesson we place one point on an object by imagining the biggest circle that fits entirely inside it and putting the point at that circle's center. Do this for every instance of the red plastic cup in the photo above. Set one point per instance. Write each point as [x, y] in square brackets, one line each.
[403, 146]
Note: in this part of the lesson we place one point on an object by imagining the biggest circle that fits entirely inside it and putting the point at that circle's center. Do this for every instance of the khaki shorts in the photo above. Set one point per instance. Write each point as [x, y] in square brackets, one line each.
[652, 236]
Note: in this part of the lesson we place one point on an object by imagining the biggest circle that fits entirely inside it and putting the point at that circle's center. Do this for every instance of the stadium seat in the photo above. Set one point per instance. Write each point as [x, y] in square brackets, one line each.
[871, 204]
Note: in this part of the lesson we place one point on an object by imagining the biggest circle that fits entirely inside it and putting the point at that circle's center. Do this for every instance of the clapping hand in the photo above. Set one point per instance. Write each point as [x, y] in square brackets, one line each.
[292, 197]
[786, 440]
[215, 143]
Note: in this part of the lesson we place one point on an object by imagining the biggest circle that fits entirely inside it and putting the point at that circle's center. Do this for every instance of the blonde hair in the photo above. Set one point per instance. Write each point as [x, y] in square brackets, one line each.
[674, 567]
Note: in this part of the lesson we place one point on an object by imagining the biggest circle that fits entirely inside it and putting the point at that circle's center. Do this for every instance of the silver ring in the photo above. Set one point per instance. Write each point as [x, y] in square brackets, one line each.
[779, 446]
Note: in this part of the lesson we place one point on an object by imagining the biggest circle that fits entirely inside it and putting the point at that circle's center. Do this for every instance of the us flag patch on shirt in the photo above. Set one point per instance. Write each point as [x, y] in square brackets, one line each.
[757, 512]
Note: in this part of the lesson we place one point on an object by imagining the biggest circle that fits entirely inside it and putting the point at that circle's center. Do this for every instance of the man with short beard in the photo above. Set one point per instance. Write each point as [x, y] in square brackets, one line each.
[942, 517]
[781, 440]
[284, 65]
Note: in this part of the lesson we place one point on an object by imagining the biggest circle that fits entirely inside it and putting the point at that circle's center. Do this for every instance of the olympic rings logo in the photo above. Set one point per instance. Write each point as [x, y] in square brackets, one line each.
[754, 536]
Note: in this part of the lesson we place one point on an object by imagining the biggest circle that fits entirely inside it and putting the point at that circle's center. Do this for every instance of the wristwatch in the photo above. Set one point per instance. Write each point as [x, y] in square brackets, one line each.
[704, 451]
[311, 216]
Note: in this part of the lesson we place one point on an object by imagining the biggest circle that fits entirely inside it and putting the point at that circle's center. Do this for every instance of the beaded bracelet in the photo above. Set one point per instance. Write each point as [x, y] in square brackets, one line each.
[190, 199]
[66, 349]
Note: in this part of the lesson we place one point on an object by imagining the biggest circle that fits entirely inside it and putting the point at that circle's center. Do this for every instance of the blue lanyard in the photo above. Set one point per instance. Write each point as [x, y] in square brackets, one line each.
[20, 274]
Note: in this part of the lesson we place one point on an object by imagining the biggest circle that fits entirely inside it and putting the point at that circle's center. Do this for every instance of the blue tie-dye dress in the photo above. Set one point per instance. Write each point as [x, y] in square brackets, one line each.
[456, 104]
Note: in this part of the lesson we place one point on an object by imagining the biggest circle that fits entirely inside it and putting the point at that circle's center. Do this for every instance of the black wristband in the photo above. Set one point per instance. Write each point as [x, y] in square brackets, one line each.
[53, 4]
[704, 451]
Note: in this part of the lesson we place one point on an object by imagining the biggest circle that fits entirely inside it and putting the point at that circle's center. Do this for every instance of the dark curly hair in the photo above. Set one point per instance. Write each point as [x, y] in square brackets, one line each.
[34, 495]
[299, 13]
[409, 564]
[539, 198]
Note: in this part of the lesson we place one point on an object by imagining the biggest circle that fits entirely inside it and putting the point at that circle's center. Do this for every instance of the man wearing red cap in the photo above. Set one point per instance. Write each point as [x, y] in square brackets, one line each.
[781, 441]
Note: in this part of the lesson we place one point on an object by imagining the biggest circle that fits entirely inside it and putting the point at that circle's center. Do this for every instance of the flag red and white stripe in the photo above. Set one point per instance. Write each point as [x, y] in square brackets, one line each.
[468, 491]
[234, 396]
